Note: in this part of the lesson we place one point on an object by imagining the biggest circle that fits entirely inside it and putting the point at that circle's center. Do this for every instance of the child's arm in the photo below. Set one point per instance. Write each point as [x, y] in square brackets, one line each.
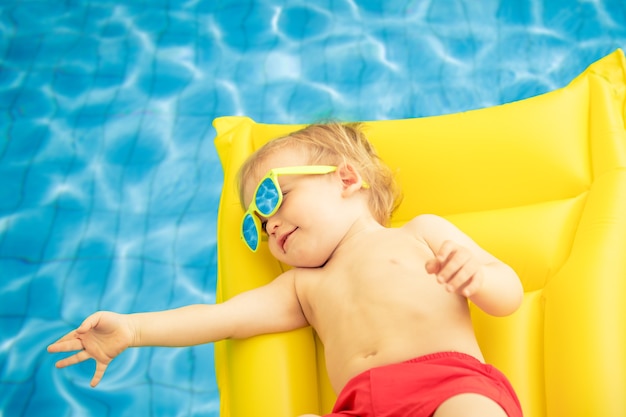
[465, 268]
[104, 335]
[269, 309]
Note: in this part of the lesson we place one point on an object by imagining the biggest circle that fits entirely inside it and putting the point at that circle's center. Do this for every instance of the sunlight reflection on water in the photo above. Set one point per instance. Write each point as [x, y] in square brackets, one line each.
[111, 182]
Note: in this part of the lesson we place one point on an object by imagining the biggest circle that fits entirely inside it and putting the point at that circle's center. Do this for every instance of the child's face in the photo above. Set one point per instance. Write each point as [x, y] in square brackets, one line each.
[310, 222]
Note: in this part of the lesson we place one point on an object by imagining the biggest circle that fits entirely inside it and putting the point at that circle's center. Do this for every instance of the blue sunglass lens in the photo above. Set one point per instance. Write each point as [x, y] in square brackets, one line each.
[266, 198]
[250, 232]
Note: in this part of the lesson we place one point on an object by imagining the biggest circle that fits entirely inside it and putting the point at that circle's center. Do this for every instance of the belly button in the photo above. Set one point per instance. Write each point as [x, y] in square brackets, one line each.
[369, 355]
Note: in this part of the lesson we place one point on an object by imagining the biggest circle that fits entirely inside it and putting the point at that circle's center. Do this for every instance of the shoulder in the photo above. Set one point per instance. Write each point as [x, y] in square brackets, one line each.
[427, 223]
[286, 278]
[295, 277]
[282, 284]
[434, 230]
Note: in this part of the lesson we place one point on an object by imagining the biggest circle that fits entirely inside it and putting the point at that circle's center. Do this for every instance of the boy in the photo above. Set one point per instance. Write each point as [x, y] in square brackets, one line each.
[389, 304]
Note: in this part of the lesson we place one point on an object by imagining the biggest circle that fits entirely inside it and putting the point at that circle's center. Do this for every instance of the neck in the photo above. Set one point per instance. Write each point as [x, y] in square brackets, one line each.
[362, 225]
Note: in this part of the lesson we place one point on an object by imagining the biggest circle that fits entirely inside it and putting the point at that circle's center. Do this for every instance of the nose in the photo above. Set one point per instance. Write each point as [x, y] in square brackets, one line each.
[272, 224]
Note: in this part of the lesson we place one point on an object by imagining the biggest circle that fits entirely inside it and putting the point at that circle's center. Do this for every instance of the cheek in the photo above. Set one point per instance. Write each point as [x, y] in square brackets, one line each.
[322, 203]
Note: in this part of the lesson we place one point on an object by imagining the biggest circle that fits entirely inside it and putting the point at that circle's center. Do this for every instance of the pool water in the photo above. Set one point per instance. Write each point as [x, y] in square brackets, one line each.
[110, 181]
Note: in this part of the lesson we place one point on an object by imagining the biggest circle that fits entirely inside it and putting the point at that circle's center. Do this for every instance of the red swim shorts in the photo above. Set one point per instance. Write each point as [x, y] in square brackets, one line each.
[417, 387]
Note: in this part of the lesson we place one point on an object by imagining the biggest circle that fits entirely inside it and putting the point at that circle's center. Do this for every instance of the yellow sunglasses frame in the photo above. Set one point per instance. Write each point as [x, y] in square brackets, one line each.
[273, 176]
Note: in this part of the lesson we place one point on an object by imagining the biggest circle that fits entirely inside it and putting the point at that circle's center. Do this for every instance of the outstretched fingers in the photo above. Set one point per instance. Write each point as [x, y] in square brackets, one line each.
[67, 343]
[79, 357]
[71, 341]
[97, 376]
[94, 339]
[73, 360]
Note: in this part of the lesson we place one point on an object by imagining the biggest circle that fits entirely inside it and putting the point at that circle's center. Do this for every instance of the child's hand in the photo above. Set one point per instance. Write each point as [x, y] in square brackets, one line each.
[457, 269]
[102, 336]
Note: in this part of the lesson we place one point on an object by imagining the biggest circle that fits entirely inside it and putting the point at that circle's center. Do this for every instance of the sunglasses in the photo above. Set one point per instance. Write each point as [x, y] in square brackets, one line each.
[267, 199]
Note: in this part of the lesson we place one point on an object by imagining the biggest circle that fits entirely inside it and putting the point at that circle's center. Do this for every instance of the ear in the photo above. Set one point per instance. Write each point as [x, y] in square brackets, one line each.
[350, 178]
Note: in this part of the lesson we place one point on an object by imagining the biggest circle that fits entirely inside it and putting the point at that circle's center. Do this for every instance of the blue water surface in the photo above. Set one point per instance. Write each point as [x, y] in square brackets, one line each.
[110, 181]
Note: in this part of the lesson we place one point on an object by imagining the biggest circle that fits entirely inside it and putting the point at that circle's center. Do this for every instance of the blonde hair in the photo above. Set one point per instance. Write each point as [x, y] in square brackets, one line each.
[332, 144]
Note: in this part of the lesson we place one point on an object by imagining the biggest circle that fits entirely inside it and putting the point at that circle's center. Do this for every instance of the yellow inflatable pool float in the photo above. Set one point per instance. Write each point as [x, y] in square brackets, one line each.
[541, 183]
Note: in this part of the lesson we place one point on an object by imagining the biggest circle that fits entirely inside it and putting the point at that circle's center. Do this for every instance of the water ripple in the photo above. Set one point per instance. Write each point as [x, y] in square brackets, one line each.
[111, 182]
